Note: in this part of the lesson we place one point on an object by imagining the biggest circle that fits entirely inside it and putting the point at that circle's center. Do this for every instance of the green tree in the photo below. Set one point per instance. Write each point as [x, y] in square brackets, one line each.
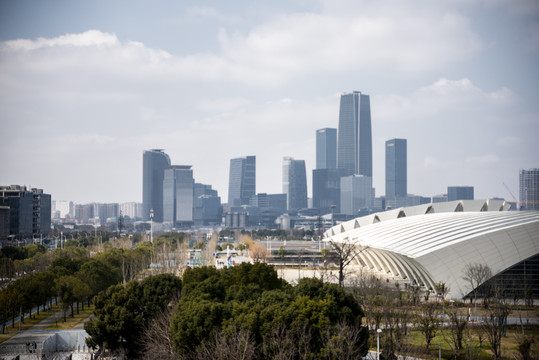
[122, 312]
[10, 302]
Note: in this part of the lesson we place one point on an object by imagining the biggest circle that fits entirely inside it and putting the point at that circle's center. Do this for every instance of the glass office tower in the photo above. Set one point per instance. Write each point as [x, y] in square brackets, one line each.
[242, 180]
[326, 148]
[396, 173]
[178, 193]
[295, 183]
[354, 143]
[154, 163]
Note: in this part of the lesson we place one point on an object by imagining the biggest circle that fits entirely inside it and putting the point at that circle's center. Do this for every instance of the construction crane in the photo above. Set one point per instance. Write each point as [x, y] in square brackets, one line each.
[513, 196]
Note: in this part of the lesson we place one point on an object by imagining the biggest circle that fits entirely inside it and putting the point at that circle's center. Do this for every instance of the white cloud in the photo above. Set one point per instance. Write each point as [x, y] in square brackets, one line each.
[483, 159]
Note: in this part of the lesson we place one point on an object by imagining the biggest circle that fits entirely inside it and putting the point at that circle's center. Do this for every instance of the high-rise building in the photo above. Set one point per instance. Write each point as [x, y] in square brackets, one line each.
[154, 163]
[29, 211]
[178, 192]
[396, 181]
[529, 189]
[354, 143]
[326, 148]
[357, 194]
[207, 209]
[294, 183]
[459, 193]
[242, 180]
[327, 190]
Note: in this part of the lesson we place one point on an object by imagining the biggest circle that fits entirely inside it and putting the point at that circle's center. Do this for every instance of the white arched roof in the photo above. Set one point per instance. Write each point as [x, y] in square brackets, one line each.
[427, 246]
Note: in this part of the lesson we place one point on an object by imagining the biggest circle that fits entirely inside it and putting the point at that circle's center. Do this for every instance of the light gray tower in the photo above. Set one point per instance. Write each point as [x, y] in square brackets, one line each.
[178, 193]
[354, 144]
[242, 180]
[529, 189]
[154, 163]
[326, 148]
[396, 178]
[295, 183]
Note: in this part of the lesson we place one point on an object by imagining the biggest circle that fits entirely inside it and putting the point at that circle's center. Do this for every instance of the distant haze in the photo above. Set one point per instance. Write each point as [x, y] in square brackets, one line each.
[87, 86]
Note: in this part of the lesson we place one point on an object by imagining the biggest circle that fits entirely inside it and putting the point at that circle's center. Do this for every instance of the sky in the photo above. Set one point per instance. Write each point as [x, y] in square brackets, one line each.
[87, 86]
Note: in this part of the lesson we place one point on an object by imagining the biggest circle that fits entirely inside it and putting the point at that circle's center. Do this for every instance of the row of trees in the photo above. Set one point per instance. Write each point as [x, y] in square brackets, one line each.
[73, 278]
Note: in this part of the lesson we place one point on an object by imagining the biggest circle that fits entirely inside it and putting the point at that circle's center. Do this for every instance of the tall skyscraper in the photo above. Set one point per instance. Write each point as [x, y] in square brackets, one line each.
[242, 180]
[294, 183]
[396, 182]
[154, 163]
[178, 192]
[354, 146]
[459, 193]
[326, 148]
[529, 189]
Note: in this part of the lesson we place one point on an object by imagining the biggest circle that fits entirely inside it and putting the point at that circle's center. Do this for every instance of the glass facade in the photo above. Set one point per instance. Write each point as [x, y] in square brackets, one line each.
[327, 190]
[529, 189]
[396, 173]
[357, 194]
[242, 180]
[354, 146]
[295, 183]
[326, 148]
[178, 193]
[459, 193]
[154, 163]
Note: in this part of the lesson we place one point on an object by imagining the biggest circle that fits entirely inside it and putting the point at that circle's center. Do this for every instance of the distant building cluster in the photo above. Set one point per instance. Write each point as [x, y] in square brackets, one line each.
[342, 189]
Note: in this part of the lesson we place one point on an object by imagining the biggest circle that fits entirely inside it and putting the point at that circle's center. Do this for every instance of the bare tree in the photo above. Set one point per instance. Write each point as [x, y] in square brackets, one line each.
[475, 275]
[340, 342]
[456, 334]
[346, 251]
[494, 324]
[428, 322]
[279, 344]
[238, 344]
[157, 339]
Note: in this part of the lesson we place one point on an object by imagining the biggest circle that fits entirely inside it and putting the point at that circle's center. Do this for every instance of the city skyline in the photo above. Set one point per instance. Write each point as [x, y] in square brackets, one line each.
[85, 89]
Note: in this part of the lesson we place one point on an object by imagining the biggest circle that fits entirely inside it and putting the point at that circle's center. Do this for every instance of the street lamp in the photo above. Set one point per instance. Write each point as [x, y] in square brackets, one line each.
[151, 226]
[378, 343]
[333, 215]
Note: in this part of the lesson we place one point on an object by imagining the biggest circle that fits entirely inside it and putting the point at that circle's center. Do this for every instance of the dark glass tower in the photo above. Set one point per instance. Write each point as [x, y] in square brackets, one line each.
[295, 183]
[354, 146]
[242, 180]
[396, 168]
[326, 148]
[154, 163]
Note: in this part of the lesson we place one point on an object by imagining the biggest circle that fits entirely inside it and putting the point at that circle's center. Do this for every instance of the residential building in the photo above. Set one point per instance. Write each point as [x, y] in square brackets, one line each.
[326, 148]
[529, 189]
[154, 163]
[294, 183]
[354, 143]
[242, 180]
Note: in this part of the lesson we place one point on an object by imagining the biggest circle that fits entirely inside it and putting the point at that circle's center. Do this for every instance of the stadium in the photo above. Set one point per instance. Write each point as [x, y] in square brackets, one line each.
[432, 243]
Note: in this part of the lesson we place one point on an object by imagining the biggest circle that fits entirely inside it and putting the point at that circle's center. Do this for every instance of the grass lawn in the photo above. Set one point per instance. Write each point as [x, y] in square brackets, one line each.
[416, 341]
[71, 322]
